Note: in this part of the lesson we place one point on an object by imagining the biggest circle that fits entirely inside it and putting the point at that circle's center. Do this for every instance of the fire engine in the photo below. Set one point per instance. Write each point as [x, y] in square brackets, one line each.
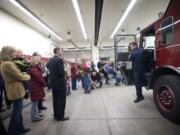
[161, 41]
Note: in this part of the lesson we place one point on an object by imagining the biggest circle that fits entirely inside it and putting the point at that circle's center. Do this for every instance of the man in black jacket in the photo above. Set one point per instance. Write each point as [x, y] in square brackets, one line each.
[58, 84]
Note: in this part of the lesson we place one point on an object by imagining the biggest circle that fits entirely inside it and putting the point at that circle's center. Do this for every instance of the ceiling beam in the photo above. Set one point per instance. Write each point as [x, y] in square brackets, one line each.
[98, 12]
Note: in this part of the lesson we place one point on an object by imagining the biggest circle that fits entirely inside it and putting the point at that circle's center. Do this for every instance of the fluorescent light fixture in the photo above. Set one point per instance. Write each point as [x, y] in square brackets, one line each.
[76, 7]
[130, 6]
[18, 5]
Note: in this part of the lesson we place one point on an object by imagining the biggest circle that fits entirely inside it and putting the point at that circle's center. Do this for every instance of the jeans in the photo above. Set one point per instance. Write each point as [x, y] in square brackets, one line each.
[74, 84]
[34, 110]
[86, 83]
[40, 104]
[119, 79]
[112, 71]
[16, 121]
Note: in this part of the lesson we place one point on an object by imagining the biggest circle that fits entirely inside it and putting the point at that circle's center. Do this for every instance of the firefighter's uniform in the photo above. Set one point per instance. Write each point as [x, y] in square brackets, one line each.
[137, 58]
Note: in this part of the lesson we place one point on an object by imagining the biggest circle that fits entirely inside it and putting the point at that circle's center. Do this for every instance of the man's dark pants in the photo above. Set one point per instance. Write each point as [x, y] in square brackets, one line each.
[138, 78]
[59, 103]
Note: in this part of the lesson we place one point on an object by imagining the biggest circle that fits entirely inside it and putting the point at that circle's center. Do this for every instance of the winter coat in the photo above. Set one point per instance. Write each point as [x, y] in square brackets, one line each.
[13, 80]
[73, 72]
[36, 84]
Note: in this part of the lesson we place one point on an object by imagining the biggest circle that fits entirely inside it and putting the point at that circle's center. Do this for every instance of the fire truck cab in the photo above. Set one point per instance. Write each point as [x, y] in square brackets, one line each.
[161, 41]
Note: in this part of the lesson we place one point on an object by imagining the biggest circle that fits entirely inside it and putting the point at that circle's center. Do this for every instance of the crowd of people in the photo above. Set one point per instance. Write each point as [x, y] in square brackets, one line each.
[22, 79]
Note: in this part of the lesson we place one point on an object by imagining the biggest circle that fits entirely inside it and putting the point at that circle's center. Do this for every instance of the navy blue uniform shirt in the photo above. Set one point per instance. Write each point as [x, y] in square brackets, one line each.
[137, 57]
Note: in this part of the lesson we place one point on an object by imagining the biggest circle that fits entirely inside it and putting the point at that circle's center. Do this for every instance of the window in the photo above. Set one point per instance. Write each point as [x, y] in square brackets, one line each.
[167, 29]
[148, 42]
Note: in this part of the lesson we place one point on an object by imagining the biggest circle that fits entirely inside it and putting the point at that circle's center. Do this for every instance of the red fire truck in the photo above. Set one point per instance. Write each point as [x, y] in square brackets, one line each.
[161, 40]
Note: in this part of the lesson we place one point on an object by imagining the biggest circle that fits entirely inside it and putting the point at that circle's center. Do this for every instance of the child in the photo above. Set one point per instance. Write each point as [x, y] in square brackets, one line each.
[23, 67]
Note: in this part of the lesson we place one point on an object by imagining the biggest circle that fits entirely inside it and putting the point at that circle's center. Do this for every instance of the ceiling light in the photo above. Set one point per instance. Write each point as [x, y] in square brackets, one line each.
[18, 5]
[76, 7]
[131, 4]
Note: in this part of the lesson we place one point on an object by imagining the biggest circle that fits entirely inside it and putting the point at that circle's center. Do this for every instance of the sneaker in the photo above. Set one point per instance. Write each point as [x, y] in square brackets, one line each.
[40, 115]
[43, 108]
[37, 119]
[87, 92]
[138, 99]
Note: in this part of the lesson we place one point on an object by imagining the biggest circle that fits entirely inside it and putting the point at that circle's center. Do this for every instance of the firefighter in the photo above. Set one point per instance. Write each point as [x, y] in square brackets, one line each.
[137, 58]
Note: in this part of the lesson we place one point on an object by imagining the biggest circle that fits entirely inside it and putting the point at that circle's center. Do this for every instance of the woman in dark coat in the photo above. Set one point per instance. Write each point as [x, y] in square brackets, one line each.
[36, 88]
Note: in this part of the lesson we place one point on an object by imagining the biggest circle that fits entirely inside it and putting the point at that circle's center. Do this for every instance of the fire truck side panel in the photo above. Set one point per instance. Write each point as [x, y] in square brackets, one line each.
[169, 54]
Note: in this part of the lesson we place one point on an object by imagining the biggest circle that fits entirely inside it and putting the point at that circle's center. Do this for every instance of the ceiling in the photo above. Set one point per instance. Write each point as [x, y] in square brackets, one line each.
[61, 17]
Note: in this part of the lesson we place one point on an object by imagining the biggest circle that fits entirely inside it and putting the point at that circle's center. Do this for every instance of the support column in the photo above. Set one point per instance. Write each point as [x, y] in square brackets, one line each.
[95, 54]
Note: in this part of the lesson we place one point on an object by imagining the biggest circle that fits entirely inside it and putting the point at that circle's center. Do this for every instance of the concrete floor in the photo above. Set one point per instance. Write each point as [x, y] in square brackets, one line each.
[106, 111]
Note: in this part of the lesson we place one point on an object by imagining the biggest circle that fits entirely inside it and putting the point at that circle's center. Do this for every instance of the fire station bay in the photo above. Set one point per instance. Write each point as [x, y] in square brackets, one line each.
[90, 67]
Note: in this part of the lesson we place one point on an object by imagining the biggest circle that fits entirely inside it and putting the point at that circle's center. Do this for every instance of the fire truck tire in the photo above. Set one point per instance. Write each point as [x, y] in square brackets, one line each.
[166, 96]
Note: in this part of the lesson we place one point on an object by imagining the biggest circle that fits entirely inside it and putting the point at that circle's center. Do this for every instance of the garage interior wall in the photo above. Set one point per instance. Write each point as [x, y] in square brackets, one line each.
[15, 33]
[107, 53]
[76, 55]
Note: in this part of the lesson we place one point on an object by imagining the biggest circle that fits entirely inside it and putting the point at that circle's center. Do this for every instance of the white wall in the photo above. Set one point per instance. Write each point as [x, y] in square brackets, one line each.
[77, 54]
[17, 34]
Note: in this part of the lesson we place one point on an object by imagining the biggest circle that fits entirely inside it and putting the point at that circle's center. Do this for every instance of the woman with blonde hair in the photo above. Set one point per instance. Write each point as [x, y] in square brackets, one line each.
[36, 88]
[14, 88]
